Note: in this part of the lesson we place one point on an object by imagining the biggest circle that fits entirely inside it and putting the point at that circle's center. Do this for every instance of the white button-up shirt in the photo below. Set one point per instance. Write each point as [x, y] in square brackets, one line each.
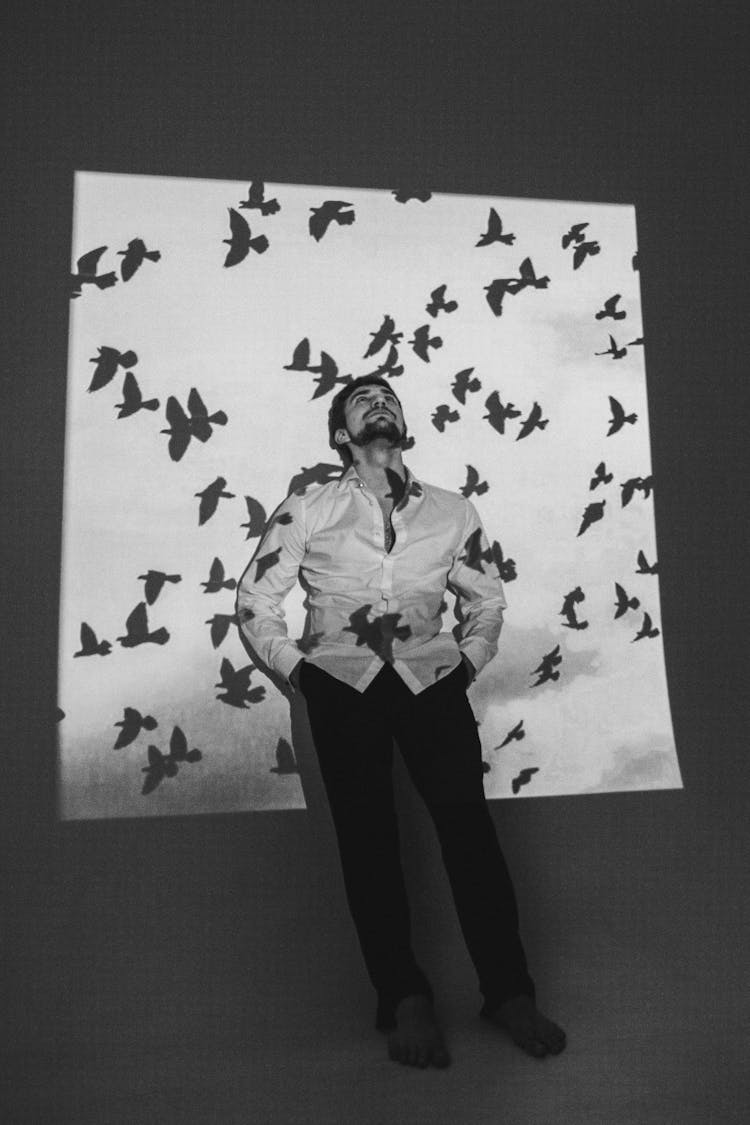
[367, 605]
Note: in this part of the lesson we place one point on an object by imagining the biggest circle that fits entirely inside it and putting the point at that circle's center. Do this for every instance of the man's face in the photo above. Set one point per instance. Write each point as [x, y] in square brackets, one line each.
[373, 413]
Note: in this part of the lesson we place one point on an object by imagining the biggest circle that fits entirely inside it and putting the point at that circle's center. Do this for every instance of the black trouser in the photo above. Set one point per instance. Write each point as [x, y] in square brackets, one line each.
[437, 735]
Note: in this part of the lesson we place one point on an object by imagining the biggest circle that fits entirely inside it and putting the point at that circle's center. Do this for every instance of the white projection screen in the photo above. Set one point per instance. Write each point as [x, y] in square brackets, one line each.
[229, 314]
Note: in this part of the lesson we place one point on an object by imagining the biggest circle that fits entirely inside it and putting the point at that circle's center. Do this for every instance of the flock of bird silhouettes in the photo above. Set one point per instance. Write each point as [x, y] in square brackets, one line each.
[196, 422]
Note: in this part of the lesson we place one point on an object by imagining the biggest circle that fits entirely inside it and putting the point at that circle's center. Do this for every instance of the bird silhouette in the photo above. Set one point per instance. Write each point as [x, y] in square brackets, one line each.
[575, 234]
[638, 341]
[386, 334]
[285, 760]
[220, 623]
[182, 428]
[390, 367]
[583, 251]
[613, 350]
[300, 357]
[497, 413]
[568, 611]
[256, 518]
[328, 377]
[235, 685]
[216, 580]
[439, 303]
[132, 399]
[591, 514]
[241, 240]
[131, 724]
[636, 484]
[321, 473]
[159, 766]
[178, 748]
[421, 342]
[463, 383]
[506, 567]
[523, 778]
[497, 290]
[647, 629]
[329, 212]
[619, 417]
[610, 309]
[265, 562]
[546, 669]
[200, 420]
[405, 196]
[514, 735]
[256, 200]
[624, 602]
[534, 421]
[210, 497]
[529, 278]
[474, 556]
[442, 414]
[494, 232]
[378, 634]
[90, 646]
[473, 484]
[155, 580]
[644, 567]
[107, 362]
[601, 476]
[86, 274]
[134, 257]
[137, 631]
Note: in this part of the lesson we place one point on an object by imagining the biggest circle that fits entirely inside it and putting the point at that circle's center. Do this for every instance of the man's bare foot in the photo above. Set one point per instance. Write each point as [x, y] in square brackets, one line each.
[528, 1028]
[417, 1039]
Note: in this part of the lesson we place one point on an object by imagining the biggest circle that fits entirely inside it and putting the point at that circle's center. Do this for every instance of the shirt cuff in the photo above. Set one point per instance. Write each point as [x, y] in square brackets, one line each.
[476, 651]
[287, 660]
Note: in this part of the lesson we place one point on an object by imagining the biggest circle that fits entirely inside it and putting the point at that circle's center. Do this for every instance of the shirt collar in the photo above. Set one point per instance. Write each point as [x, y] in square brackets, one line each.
[352, 477]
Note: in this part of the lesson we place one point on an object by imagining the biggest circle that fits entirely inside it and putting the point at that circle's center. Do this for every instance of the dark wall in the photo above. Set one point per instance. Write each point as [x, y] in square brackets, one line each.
[149, 924]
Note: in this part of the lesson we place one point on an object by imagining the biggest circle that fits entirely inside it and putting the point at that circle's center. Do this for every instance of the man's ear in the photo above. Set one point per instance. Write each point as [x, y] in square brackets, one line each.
[341, 436]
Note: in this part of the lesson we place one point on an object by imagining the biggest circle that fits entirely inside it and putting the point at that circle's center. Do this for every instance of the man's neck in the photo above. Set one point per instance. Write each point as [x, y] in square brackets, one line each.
[383, 473]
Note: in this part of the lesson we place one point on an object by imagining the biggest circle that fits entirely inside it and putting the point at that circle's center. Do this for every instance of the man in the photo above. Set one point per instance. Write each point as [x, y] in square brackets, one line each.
[375, 551]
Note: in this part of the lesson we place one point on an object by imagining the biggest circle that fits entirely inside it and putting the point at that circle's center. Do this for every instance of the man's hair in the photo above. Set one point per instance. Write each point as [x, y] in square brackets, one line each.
[337, 417]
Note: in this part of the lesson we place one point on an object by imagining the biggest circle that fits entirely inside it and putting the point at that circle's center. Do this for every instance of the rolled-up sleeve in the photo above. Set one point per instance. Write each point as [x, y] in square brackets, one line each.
[480, 597]
[265, 583]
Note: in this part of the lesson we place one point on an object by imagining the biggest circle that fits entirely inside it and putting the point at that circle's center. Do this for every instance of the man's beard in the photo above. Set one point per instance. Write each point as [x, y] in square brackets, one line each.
[375, 428]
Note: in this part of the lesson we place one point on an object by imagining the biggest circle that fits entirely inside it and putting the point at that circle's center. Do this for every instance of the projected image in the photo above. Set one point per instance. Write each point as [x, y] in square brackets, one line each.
[211, 325]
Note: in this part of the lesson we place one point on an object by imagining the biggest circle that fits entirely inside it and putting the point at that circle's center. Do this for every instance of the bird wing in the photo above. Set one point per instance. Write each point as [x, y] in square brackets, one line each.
[239, 243]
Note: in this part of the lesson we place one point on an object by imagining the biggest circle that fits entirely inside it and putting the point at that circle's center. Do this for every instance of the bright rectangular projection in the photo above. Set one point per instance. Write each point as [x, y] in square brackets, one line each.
[228, 315]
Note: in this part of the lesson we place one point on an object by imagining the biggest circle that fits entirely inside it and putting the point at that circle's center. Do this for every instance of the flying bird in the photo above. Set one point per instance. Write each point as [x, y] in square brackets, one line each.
[583, 251]
[529, 278]
[210, 497]
[378, 634]
[137, 632]
[134, 257]
[132, 399]
[182, 428]
[546, 669]
[421, 342]
[321, 473]
[241, 241]
[300, 357]
[610, 309]
[494, 232]
[256, 200]
[216, 580]
[575, 234]
[644, 567]
[86, 274]
[514, 735]
[178, 748]
[328, 375]
[533, 422]
[265, 562]
[439, 303]
[220, 623]
[613, 350]
[330, 212]
[636, 484]
[463, 383]
[442, 414]
[639, 340]
[506, 567]
[131, 724]
[647, 629]
[591, 514]
[200, 420]
[90, 646]
[159, 766]
[619, 417]
[496, 291]
[473, 484]
[107, 362]
[256, 518]
[390, 367]
[285, 760]
[497, 413]
[624, 602]
[235, 685]
[568, 611]
[524, 777]
[601, 476]
[386, 334]
[405, 196]
[155, 580]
